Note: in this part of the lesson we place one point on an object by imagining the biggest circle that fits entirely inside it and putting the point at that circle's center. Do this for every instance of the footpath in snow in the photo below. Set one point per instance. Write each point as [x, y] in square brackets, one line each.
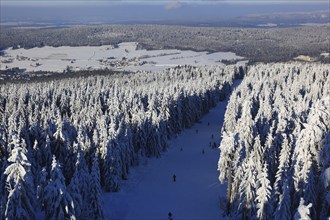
[151, 193]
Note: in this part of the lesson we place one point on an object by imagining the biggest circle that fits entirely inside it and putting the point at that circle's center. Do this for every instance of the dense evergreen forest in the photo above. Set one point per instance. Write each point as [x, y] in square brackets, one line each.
[275, 148]
[256, 44]
[64, 141]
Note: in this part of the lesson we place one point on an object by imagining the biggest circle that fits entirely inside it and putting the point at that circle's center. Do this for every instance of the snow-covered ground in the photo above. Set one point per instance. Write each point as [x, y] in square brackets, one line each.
[126, 56]
[150, 192]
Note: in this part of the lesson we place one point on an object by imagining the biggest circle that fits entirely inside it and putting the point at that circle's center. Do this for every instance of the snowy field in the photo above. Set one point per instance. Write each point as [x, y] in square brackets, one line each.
[126, 56]
[150, 192]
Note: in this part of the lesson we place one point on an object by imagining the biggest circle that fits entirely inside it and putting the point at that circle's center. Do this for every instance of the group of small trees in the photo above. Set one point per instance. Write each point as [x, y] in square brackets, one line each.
[63, 142]
[275, 143]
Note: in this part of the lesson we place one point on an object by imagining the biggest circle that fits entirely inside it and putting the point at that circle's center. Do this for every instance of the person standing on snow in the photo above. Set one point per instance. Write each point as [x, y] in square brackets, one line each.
[170, 216]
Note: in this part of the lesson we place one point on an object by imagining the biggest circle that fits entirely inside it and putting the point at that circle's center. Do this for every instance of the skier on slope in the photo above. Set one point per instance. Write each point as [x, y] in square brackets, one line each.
[170, 216]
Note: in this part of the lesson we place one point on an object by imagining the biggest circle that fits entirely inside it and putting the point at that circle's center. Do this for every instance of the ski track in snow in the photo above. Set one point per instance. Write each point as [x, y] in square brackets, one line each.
[150, 193]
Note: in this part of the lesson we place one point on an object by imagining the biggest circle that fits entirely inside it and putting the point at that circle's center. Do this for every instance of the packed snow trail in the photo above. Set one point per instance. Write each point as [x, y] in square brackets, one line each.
[151, 193]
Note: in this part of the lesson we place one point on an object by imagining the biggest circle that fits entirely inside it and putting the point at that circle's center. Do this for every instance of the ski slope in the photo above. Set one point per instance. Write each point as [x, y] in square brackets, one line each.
[151, 193]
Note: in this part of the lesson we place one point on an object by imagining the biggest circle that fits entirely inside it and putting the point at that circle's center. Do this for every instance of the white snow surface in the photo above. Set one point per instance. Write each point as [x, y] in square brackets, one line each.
[57, 59]
[150, 193]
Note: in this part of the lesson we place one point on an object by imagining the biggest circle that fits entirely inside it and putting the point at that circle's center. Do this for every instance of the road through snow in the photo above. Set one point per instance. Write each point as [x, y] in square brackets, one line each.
[151, 193]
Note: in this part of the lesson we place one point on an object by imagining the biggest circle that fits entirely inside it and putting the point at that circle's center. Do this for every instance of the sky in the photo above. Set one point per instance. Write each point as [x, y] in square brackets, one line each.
[166, 3]
[121, 11]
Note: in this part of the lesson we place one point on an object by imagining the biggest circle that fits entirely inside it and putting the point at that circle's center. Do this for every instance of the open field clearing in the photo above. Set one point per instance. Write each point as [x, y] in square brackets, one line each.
[126, 56]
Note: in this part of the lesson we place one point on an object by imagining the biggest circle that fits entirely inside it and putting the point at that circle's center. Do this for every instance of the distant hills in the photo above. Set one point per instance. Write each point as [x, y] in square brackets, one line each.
[216, 15]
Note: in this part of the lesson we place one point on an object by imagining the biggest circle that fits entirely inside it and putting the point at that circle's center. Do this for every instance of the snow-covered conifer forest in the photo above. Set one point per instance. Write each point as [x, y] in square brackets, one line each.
[275, 148]
[64, 141]
[164, 110]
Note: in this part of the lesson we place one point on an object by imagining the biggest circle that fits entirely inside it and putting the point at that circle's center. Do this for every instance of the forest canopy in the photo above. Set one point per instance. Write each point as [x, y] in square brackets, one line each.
[62, 141]
[275, 143]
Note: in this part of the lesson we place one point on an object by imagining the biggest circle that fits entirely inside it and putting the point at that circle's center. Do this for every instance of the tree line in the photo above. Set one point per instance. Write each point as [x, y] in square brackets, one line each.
[256, 44]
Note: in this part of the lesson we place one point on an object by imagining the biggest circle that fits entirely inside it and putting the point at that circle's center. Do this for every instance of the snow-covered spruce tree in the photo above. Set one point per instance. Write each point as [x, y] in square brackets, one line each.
[270, 153]
[95, 208]
[87, 147]
[58, 201]
[111, 162]
[3, 190]
[227, 147]
[41, 182]
[125, 146]
[247, 189]
[46, 153]
[75, 192]
[284, 166]
[233, 112]
[2, 145]
[35, 158]
[263, 195]
[3, 163]
[79, 185]
[19, 183]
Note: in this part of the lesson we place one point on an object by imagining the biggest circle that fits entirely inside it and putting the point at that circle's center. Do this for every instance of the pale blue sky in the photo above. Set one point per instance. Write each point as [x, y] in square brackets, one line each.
[146, 11]
[151, 2]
